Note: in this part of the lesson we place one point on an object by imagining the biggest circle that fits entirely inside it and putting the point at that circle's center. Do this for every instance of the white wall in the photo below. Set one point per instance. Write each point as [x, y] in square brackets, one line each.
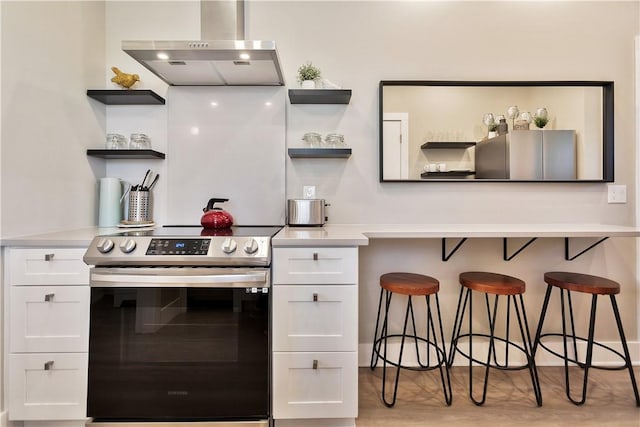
[144, 20]
[356, 44]
[52, 53]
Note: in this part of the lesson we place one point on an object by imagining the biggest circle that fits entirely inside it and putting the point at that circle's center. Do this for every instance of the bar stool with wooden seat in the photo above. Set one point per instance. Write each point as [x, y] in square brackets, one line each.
[497, 285]
[434, 354]
[589, 285]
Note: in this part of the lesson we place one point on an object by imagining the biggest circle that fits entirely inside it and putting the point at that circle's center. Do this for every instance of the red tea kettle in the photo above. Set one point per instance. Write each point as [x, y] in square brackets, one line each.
[216, 218]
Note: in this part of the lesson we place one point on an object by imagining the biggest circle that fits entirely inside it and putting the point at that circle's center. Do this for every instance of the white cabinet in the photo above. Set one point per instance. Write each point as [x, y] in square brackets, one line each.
[315, 334]
[33, 267]
[49, 319]
[315, 318]
[315, 385]
[298, 266]
[46, 333]
[47, 386]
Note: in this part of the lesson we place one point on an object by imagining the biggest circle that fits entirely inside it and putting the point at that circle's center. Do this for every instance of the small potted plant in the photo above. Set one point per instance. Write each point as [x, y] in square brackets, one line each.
[307, 75]
[493, 130]
[541, 118]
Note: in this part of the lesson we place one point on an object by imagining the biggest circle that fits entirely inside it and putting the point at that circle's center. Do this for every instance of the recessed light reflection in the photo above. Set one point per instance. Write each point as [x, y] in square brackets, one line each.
[163, 55]
[268, 103]
[244, 56]
[214, 104]
[195, 130]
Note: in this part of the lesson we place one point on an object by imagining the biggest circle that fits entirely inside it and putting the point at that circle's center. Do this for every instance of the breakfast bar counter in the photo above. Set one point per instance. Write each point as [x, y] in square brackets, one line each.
[358, 234]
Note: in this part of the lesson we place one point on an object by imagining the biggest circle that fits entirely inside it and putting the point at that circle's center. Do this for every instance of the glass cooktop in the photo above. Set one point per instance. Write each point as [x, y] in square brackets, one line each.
[197, 230]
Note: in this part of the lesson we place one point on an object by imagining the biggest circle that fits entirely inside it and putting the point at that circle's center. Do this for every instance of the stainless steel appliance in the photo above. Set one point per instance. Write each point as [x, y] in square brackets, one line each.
[180, 326]
[528, 155]
[221, 58]
[310, 212]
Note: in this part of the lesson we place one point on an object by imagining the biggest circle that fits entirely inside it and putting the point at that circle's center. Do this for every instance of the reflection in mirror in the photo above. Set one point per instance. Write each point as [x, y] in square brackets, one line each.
[504, 131]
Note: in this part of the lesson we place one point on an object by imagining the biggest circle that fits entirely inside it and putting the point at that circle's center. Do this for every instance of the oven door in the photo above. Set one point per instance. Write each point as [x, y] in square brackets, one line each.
[179, 344]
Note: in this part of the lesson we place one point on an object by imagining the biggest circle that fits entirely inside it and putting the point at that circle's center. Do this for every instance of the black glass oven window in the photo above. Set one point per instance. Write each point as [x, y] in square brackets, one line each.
[178, 354]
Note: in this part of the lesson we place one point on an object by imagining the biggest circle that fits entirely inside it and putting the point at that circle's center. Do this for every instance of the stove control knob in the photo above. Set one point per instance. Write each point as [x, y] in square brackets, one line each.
[105, 246]
[128, 246]
[251, 247]
[229, 246]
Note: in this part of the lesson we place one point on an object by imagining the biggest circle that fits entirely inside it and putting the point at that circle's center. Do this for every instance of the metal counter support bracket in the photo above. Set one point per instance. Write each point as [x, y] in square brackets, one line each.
[445, 256]
[513, 255]
[571, 258]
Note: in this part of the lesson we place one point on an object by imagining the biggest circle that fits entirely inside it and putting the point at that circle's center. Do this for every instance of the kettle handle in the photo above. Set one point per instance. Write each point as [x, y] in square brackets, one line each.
[212, 202]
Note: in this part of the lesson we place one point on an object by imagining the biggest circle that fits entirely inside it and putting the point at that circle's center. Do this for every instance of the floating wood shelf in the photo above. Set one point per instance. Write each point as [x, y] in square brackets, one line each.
[126, 154]
[319, 152]
[126, 97]
[444, 144]
[319, 96]
[447, 174]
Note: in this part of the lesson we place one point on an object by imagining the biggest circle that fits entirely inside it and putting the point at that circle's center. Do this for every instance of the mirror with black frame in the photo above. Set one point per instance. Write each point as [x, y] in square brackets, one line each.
[523, 131]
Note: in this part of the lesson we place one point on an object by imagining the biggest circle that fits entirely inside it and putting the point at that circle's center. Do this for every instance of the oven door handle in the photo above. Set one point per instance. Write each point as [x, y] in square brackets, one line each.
[257, 279]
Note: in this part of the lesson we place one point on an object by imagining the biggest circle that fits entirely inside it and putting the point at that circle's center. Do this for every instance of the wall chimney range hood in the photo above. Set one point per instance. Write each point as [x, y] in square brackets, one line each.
[221, 58]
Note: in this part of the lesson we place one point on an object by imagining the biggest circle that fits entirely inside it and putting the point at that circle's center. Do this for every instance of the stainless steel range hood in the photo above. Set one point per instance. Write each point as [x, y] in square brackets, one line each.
[221, 58]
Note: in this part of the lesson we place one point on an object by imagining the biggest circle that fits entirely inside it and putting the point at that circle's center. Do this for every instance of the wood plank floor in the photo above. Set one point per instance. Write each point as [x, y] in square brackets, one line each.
[510, 401]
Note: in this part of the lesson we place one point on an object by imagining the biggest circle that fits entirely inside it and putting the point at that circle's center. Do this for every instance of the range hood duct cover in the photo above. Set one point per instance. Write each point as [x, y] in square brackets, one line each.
[218, 59]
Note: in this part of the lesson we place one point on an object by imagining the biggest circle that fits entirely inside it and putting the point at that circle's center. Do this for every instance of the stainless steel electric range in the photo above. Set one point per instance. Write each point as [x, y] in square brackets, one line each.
[180, 326]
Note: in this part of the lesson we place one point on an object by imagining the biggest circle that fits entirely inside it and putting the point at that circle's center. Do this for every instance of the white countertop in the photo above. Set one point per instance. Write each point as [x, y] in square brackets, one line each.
[358, 234]
[80, 237]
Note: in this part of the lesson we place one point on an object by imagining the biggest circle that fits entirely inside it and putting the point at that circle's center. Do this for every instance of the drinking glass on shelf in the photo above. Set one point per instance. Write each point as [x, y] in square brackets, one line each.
[314, 139]
[334, 140]
[139, 141]
[115, 141]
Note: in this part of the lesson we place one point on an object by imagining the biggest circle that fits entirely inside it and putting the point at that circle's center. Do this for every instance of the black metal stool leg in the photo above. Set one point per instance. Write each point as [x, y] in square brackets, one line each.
[625, 348]
[374, 352]
[457, 325]
[399, 366]
[528, 349]
[442, 359]
[543, 314]
[492, 350]
[587, 364]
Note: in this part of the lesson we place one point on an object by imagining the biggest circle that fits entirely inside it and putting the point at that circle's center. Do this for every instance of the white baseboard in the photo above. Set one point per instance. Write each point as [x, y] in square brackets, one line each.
[327, 422]
[543, 357]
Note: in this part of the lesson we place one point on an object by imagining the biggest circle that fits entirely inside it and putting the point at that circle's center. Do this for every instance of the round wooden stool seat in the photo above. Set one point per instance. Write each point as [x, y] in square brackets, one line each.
[409, 284]
[492, 283]
[584, 283]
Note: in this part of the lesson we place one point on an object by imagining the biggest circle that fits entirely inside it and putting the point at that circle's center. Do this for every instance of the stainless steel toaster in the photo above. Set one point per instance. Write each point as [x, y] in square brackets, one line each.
[306, 212]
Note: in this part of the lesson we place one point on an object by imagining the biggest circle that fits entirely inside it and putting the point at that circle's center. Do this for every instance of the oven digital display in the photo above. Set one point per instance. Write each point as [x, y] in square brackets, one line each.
[178, 247]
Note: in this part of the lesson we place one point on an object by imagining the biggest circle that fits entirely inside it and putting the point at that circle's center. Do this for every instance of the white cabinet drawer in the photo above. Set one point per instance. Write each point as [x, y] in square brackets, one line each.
[315, 385]
[47, 386]
[49, 319]
[315, 265]
[315, 318]
[47, 267]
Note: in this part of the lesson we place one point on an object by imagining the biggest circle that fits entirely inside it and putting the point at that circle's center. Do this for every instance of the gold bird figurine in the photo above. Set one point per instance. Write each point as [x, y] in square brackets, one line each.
[124, 79]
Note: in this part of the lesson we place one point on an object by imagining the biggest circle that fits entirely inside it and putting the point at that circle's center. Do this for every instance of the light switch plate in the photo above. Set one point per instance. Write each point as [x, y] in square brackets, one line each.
[309, 192]
[617, 194]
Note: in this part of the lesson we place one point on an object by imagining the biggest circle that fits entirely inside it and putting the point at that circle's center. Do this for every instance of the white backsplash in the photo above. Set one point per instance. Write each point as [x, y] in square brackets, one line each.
[226, 142]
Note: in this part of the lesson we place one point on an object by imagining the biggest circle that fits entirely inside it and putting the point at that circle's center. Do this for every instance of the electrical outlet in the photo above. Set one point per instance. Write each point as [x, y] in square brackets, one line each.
[309, 192]
[617, 194]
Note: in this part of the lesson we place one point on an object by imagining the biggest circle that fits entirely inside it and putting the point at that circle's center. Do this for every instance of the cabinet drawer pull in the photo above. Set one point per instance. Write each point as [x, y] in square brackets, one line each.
[48, 257]
[315, 297]
[315, 364]
[315, 256]
[48, 365]
[49, 297]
